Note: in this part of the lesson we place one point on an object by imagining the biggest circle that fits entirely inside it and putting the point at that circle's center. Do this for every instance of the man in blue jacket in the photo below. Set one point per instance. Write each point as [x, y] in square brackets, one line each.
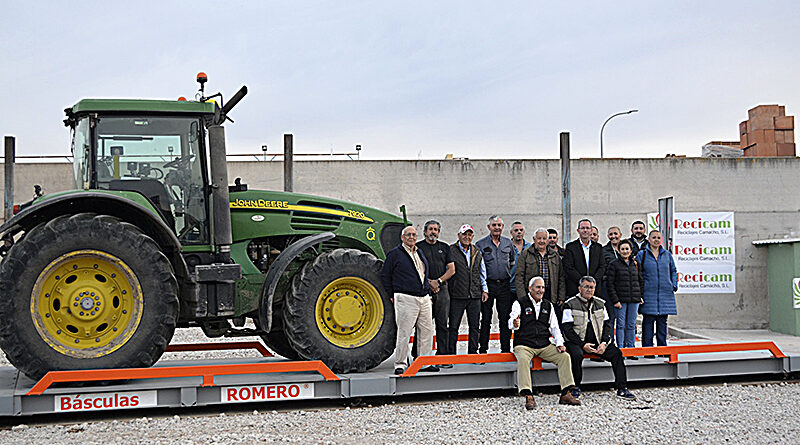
[405, 278]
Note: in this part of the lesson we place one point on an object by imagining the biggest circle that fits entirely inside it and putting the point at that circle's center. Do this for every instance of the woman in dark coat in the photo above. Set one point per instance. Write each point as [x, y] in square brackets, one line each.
[625, 283]
[660, 285]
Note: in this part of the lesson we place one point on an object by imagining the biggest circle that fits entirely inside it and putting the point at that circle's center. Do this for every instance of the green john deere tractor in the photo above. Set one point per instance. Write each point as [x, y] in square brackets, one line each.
[154, 238]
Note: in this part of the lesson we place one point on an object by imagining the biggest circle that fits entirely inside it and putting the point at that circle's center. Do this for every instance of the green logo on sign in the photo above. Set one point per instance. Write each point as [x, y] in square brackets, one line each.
[796, 293]
[653, 222]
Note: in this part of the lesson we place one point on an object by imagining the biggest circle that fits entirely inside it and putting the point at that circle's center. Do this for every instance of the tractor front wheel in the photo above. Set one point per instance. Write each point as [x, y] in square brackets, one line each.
[338, 312]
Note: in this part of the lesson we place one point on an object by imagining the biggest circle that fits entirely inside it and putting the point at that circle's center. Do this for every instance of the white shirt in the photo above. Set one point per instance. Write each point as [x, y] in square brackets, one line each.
[555, 331]
[586, 254]
[418, 264]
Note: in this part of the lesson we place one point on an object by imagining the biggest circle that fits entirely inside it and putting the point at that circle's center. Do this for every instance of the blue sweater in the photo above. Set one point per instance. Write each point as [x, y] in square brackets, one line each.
[399, 274]
[660, 282]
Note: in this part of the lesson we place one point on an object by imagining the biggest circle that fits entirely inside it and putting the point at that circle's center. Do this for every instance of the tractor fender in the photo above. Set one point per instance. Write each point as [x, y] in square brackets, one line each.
[276, 271]
[76, 202]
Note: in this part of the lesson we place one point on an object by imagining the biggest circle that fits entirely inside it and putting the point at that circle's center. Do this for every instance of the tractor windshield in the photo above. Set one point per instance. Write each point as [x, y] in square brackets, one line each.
[157, 157]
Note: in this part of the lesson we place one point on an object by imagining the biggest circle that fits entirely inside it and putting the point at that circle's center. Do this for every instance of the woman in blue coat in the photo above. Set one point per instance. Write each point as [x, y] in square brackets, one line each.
[660, 284]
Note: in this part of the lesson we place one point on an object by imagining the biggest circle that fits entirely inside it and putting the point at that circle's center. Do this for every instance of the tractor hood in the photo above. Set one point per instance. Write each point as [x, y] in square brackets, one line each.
[261, 213]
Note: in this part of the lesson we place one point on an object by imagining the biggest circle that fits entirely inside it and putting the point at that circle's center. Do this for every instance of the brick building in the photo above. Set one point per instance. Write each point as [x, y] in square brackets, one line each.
[768, 131]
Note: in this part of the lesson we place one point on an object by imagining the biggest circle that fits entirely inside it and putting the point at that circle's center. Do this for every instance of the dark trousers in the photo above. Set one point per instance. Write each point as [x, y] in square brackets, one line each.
[612, 311]
[473, 308]
[612, 354]
[441, 313]
[647, 329]
[500, 296]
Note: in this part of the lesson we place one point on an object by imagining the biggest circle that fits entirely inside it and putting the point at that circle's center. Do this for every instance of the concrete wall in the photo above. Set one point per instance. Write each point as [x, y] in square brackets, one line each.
[764, 193]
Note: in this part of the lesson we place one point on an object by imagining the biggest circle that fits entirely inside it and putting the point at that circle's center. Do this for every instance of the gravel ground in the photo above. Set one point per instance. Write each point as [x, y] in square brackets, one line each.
[696, 415]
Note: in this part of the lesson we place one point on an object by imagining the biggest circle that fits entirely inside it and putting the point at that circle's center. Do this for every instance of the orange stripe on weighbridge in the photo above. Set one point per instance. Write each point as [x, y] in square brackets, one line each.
[208, 372]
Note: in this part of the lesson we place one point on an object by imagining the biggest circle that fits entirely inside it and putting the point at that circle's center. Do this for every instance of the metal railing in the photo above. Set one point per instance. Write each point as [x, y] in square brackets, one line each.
[536, 363]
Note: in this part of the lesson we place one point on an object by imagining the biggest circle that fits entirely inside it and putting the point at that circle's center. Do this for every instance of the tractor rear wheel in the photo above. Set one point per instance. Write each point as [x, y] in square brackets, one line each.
[85, 291]
[338, 312]
[276, 341]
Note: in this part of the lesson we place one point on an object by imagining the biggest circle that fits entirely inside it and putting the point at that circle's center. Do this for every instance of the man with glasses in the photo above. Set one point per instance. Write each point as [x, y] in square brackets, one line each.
[583, 257]
[587, 329]
[405, 278]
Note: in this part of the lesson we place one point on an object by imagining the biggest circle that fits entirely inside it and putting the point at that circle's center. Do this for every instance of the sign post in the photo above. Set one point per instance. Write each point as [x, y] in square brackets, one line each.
[666, 213]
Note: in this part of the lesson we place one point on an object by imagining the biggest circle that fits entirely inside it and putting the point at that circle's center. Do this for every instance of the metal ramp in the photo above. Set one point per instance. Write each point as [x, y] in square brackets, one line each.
[176, 384]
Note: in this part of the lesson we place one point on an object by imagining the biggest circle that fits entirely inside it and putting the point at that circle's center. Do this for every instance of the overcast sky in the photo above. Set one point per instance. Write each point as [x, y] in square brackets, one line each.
[413, 80]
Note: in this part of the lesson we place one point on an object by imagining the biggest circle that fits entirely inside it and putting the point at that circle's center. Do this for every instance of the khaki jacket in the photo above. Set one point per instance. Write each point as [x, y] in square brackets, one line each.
[528, 267]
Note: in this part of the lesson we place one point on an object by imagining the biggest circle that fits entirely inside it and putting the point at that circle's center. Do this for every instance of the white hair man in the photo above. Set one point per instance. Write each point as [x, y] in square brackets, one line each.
[405, 278]
[534, 321]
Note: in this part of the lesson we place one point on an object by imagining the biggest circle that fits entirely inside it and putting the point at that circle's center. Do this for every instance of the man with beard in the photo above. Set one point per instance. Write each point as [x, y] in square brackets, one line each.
[441, 269]
[638, 237]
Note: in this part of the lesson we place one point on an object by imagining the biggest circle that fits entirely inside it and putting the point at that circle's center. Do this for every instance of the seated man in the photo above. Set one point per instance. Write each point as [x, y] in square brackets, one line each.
[534, 321]
[584, 321]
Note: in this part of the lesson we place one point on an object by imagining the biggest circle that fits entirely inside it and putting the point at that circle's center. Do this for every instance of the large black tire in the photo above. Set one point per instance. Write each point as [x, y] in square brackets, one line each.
[93, 258]
[340, 274]
[277, 342]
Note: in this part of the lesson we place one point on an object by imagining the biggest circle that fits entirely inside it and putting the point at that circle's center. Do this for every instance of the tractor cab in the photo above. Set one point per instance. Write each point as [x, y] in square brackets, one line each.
[151, 147]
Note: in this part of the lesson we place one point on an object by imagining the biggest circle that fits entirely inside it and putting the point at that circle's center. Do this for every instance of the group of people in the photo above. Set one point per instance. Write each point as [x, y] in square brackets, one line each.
[540, 290]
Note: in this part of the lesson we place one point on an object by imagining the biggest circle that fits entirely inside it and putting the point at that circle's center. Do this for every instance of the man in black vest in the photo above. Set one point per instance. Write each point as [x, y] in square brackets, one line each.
[467, 288]
[534, 321]
[583, 257]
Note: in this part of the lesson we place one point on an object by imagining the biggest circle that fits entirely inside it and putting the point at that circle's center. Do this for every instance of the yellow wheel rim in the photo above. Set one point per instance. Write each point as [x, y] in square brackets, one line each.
[349, 312]
[86, 304]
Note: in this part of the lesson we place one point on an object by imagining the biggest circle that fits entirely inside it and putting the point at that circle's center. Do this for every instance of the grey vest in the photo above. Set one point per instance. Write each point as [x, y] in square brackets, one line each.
[466, 283]
[579, 313]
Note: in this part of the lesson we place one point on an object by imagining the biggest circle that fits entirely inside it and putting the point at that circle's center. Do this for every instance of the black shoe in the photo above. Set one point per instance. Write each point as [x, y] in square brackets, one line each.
[431, 368]
[446, 366]
[398, 371]
[575, 391]
[632, 358]
[625, 394]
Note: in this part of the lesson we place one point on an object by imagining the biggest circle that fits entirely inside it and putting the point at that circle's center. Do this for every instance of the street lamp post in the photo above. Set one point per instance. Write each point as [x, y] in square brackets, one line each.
[604, 126]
